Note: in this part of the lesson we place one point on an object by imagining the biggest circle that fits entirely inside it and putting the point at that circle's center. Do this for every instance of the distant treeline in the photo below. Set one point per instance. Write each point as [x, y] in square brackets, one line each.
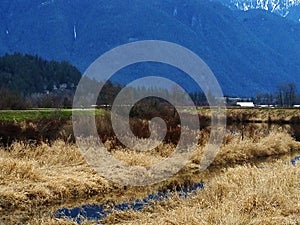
[28, 81]
[285, 96]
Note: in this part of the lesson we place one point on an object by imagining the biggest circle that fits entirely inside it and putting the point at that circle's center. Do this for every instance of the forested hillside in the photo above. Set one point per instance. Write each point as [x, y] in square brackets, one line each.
[27, 74]
[28, 81]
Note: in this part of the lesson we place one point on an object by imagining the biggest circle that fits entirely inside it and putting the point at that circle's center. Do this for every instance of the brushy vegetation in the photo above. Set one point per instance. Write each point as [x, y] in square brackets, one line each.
[36, 125]
[37, 179]
[49, 125]
[43, 125]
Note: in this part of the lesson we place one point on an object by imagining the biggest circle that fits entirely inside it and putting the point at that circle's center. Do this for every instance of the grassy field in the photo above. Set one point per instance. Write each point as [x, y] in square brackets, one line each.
[240, 186]
[233, 114]
[34, 114]
[23, 115]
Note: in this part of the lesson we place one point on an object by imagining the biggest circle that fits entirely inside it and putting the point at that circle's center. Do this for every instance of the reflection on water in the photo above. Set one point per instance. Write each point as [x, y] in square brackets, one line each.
[295, 160]
[250, 130]
[98, 212]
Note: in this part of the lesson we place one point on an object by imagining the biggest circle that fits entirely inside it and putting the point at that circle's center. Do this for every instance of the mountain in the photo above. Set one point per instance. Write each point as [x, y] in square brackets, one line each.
[249, 52]
[285, 8]
[294, 13]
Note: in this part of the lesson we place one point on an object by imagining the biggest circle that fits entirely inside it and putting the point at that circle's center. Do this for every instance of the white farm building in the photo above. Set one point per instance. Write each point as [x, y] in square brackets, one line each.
[245, 104]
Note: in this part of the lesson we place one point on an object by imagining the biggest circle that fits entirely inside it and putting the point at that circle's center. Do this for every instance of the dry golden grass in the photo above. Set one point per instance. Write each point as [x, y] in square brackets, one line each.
[44, 175]
[244, 194]
[242, 150]
[147, 158]
[236, 148]
[37, 180]
[264, 115]
[258, 114]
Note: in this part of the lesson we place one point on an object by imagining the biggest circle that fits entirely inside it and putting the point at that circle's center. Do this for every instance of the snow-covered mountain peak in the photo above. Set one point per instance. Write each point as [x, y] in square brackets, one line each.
[281, 7]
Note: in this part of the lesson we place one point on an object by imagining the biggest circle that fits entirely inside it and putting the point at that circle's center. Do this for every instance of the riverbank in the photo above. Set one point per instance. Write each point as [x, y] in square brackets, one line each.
[37, 180]
[244, 194]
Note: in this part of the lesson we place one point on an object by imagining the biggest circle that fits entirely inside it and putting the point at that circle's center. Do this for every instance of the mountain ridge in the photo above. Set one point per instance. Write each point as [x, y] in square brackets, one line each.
[289, 9]
[247, 51]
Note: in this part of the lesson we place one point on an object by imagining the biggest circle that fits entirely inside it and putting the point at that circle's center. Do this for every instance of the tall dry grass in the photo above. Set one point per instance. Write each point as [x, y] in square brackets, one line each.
[36, 179]
[237, 150]
[45, 175]
[239, 147]
[264, 115]
[244, 194]
[260, 115]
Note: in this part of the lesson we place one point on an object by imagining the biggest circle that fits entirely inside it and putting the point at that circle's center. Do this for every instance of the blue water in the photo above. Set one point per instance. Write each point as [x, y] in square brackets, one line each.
[98, 212]
[295, 160]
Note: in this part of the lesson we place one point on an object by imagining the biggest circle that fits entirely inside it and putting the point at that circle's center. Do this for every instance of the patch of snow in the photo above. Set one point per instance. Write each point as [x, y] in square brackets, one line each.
[245, 7]
[280, 7]
[287, 13]
[75, 33]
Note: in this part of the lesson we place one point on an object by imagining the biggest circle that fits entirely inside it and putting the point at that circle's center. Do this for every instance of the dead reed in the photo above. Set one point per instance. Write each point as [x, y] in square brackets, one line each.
[244, 194]
[37, 178]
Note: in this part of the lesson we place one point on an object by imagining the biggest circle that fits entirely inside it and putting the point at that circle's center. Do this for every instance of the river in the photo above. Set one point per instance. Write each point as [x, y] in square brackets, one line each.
[97, 212]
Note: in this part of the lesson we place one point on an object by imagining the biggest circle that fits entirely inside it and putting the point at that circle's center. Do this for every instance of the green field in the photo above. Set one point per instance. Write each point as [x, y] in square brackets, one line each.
[33, 114]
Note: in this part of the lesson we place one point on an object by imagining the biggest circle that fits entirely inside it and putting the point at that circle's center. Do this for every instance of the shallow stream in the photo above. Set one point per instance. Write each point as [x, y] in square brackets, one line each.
[97, 212]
